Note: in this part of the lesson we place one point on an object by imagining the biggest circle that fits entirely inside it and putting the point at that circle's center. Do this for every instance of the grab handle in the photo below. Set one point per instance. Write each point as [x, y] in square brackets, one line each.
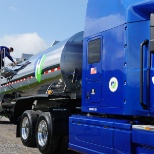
[144, 43]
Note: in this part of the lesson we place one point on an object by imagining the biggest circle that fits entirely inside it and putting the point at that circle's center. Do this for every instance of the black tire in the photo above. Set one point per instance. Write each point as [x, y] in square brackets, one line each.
[28, 122]
[47, 143]
[39, 112]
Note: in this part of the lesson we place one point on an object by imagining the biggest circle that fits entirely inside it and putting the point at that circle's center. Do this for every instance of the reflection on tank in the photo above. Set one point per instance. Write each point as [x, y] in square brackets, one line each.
[63, 58]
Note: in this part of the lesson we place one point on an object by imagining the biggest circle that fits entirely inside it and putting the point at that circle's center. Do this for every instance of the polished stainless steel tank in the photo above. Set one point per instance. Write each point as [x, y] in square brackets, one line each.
[63, 58]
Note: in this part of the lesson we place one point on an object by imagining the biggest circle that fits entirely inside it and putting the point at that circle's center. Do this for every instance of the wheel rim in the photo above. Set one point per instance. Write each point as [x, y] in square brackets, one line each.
[42, 133]
[25, 128]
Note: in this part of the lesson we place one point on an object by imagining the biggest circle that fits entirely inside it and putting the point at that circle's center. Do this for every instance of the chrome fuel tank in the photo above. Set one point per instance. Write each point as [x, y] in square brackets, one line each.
[61, 59]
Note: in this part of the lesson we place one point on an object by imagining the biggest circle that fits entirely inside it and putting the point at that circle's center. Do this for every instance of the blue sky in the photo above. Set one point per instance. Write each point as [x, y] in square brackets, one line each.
[32, 25]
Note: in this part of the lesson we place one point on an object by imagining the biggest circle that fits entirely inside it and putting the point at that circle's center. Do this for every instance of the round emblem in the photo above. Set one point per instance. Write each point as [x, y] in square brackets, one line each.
[113, 84]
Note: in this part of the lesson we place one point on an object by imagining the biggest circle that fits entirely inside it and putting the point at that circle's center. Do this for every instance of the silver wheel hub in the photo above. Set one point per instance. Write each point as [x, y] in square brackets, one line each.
[25, 128]
[42, 133]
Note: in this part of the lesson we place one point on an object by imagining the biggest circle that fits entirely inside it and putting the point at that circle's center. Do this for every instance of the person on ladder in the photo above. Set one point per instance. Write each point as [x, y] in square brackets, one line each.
[5, 52]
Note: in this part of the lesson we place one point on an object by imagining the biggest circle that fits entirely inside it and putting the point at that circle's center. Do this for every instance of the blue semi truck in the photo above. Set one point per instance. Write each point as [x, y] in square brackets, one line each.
[117, 79]
[110, 109]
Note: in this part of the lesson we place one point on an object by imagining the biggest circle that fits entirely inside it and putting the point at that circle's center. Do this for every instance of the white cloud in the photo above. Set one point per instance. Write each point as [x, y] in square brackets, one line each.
[29, 43]
[12, 8]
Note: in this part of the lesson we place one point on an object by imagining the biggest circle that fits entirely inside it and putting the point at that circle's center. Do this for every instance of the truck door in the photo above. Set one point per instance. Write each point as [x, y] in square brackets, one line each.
[94, 71]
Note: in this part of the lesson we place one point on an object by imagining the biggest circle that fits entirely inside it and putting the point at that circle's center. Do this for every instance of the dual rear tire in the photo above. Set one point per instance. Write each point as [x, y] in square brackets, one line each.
[46, 142]
[37, 129]
[27, 128]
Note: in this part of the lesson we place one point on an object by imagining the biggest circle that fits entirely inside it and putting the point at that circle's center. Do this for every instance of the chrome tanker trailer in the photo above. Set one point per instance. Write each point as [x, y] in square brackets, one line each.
[59, 66]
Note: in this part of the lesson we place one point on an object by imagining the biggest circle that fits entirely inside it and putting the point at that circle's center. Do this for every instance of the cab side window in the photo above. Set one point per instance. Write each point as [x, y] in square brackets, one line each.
[94, 51]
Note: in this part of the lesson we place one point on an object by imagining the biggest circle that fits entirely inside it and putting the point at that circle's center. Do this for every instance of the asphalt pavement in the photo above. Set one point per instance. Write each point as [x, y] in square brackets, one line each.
[9, 144]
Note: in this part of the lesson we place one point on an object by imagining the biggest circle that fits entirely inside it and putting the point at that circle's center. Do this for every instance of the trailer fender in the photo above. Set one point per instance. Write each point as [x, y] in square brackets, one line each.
[18, 127]
[21, 106]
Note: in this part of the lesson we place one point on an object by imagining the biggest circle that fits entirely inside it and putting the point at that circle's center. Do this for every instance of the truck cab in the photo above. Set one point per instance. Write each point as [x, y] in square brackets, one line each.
[116, 43]
[117, 79]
